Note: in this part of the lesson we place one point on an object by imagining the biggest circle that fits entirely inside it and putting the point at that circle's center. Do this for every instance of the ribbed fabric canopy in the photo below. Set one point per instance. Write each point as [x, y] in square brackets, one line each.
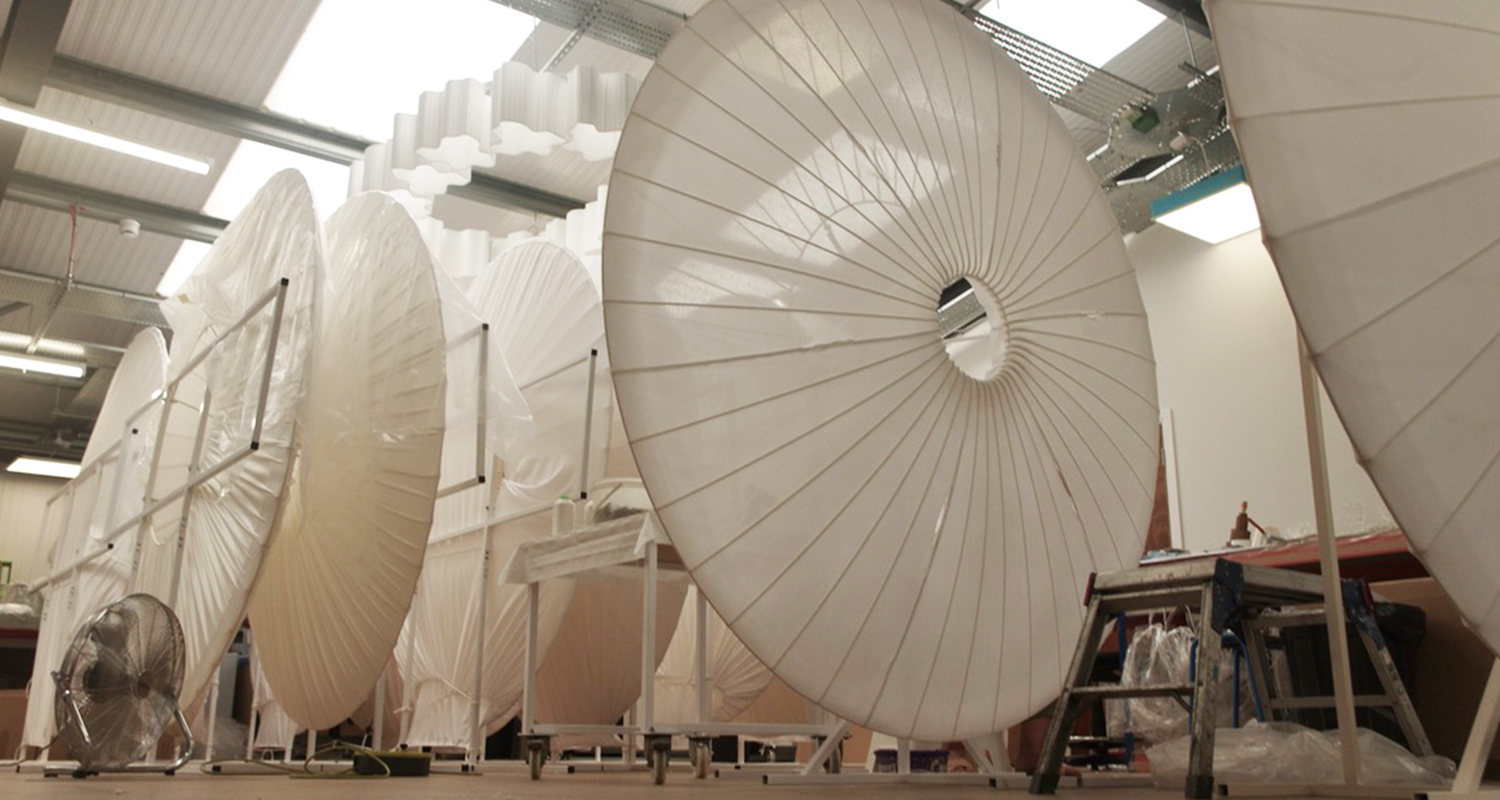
[339, 579]
[230, 522]
[1371, 135]
[797, 185]
[81, 518]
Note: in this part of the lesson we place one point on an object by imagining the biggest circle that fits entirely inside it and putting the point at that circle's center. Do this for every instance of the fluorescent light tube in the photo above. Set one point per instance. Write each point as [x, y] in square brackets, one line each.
[42, 365]
[20, 115]
[49, 467]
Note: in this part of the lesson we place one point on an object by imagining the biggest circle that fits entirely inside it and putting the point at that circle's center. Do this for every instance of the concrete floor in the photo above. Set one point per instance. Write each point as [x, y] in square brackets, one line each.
[496, 784]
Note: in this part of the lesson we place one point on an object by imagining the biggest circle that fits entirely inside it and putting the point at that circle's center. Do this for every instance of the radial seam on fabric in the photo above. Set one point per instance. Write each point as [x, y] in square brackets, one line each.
[1380, 14]
[1391, 199]
[1038, 471]
[768, 309]
[933, 253]
[716, 551]
[968, 442]
[779, 267]
[1010, 211]
[1421, 290]
[976, 199]
[767, 354]
[779, 395]
[1463, 502]
[952, 217]
[1041, 166]
[950, 257]
[847, 503]
[859, 632]
[1014, 282]
[1099, 509]
[1413, 101]
[1103, 467]
[897, 263]
[1025, 616]
[1014, 307]
[1433, 400]
[755, 129]
[981, 489]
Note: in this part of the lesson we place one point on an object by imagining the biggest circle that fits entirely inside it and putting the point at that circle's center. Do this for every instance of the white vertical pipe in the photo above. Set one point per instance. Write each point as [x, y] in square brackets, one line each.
[1481, 737]
[648, 643]
[476, 723]
[588, 428]
[377, 727]
[903, 756]
[528, 696]
[1333, 595]
[213, 712]
[187, 499]
[700, 635]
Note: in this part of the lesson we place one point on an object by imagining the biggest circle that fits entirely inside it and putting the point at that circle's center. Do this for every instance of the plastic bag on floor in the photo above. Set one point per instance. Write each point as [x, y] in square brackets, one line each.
[1283, 752]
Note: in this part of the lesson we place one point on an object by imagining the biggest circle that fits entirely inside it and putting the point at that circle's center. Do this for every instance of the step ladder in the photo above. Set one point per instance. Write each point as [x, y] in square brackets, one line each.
[1248, 601]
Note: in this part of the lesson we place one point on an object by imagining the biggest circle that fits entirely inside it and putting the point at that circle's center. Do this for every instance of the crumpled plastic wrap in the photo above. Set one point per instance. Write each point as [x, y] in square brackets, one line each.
[1284, 752]
[1161, 656]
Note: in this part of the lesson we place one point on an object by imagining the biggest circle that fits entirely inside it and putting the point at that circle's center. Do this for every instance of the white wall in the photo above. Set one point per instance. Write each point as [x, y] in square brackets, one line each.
[23, 499]
[1227, 371]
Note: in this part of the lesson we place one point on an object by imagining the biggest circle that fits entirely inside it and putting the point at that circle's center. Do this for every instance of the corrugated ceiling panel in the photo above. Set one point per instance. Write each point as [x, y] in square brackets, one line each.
[25, 401]
[1153, 60]
[232, 49]
[36, 240]
[74, 327]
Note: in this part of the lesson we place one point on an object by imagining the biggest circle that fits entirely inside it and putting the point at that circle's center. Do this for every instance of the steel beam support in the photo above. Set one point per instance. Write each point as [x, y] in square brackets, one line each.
[43, 192]
[26, 51]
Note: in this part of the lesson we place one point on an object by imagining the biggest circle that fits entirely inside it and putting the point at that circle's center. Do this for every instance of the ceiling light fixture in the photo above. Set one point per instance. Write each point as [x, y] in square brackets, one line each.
[42, 365]
[48, 467]
[27, 117]
[1214, 209]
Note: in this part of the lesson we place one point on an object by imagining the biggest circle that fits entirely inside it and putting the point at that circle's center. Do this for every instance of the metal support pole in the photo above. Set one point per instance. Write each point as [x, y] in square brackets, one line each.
[212, 715]
[187, 499]
[648, 643]
[1333, 595]
[476, 722]
[903, 756]
[588, 428]
[481, 406]
[1481, 737]
[528, 695]
[700, 635]
[408, 691]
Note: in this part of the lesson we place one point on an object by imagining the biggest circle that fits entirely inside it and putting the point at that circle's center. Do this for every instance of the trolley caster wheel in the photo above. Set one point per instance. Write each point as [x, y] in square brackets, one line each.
[534, 759]
[659, 769]
[702, 759]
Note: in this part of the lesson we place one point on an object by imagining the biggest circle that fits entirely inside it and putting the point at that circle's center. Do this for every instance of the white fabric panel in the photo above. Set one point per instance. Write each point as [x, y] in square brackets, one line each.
[544, 318]
[1369, 135]
[735, 676]
[275, 238]
[95, 503]
[777, 704]
[796, 185]
[339, 580]
[274, 729]
[592, 674]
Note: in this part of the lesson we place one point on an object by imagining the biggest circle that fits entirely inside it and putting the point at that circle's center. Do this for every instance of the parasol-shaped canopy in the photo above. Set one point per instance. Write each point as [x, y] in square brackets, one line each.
[1368, 130]
[799, 185]
[339, 579]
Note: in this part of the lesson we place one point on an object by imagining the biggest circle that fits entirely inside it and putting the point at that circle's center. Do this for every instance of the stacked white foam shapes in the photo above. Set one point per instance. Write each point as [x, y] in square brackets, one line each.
[1369, 135]
[524, 112]
[232, 515]
[735, 676]
[544, 316]
[901, 543]
[338, 582]
[108, 494]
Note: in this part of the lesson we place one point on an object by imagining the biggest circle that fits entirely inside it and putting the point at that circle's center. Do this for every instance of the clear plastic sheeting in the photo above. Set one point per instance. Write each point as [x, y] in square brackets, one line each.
[338, 582]
[1162, 656]
[1384, 235]
[437, 647]
[274, 730]
[797, 186]
[735, 676]
[1282, 752]
[108, 494]
[231, 515]
[544, 318]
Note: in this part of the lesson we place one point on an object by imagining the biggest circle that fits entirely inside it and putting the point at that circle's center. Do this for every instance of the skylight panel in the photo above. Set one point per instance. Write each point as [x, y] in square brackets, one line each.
[1093, 31]
[362, 61]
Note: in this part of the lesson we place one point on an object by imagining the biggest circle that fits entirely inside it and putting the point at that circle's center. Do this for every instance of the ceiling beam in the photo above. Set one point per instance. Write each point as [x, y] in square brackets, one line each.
[258, 125]
[30, 289]
[43, 192]
[26, 50]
